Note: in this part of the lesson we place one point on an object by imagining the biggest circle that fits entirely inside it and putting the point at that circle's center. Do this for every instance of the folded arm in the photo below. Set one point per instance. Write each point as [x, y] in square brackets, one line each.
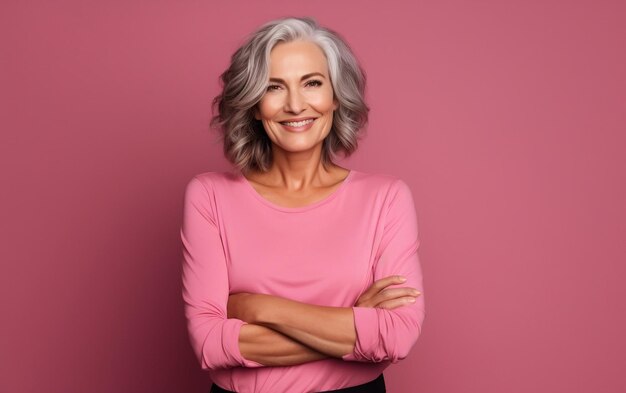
[390, 334]
[214, 337]
[300, 332]
[329, 330]
[363, 334]
[271, 348]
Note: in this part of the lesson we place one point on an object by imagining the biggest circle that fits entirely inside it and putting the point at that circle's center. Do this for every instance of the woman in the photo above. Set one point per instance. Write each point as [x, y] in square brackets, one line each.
[292, 264]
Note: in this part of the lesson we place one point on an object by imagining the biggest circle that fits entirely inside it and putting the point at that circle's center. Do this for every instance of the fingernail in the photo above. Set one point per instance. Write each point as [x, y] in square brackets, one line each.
[402, 278]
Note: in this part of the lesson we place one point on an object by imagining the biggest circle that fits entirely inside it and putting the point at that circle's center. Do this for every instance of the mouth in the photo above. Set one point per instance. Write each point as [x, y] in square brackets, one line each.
[298, 125]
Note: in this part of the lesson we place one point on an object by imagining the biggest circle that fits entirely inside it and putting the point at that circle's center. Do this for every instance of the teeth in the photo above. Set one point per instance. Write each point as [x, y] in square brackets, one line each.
[299, 123]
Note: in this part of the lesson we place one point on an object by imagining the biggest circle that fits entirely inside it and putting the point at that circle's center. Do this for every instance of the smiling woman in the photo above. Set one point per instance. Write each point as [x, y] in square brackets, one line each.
[292, 260]
[285, 65]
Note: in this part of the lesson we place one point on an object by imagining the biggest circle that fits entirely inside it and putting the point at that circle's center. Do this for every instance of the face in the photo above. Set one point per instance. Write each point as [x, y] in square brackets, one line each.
[299, 88]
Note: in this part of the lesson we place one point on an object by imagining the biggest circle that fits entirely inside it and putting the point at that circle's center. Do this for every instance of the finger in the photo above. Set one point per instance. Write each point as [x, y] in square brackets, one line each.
[395, 303]
[379, 285]
[392, 293]
[387, 295]
[385, 282]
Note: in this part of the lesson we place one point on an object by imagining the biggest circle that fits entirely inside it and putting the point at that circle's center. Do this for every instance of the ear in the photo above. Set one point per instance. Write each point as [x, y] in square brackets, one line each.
[257, 115]
[335, 104]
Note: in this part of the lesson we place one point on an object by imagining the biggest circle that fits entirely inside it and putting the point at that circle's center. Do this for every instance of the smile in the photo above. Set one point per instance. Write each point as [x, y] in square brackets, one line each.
[298, 125]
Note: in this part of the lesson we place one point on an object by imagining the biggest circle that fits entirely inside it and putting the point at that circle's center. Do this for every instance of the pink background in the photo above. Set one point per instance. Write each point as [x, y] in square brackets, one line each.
[506, 118]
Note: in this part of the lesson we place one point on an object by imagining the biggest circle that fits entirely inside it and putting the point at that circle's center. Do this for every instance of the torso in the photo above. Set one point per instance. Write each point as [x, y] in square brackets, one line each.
[325, 254]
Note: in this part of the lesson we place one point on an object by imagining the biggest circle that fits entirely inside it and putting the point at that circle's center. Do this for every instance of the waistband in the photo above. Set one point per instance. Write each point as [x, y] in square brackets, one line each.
[375, 386]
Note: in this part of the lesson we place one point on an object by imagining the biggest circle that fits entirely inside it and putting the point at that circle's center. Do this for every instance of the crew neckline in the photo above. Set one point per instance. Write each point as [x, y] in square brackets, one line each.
[298, 209]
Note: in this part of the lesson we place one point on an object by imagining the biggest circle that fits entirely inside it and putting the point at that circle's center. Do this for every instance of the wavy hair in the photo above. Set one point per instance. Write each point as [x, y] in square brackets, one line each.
[245, 142]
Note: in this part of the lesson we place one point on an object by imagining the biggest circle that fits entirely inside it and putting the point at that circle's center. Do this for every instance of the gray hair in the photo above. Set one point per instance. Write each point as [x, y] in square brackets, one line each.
[245, 142]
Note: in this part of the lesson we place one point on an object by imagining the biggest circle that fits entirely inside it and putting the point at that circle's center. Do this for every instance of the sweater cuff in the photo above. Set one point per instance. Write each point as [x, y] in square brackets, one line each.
[366, 327]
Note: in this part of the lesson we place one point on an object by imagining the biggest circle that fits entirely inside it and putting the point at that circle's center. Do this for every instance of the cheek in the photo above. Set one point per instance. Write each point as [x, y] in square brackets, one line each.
[268, 107]
[323, 103]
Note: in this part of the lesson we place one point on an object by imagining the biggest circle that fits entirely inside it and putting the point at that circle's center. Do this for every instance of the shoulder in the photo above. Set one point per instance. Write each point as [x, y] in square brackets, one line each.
[212, 180]
[215, 177]
[207, 188]
[381, 182]
[392, 192]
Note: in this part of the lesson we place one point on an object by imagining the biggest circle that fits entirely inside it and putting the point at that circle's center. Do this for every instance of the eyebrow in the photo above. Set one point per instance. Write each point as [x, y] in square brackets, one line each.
[303, 77]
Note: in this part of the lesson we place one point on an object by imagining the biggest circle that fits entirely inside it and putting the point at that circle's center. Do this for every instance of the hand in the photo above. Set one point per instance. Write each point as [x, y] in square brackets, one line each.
[378, 296]
[237, 306]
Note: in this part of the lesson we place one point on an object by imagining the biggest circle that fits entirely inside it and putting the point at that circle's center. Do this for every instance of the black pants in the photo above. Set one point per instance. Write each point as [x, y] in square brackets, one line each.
[375, 386]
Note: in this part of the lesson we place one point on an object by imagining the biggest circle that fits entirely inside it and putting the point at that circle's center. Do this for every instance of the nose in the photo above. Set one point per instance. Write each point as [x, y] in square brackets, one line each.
[295, 102]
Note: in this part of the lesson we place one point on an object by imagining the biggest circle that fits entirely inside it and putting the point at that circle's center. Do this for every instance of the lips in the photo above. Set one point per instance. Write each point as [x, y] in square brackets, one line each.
[303, 127]
[297, 120]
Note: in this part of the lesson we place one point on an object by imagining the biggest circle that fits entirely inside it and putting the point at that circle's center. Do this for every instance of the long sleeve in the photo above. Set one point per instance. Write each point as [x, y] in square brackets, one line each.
[384, 334]
[214, 338]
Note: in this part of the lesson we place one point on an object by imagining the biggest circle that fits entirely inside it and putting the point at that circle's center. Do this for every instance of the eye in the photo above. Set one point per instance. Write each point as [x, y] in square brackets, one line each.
[313, 82]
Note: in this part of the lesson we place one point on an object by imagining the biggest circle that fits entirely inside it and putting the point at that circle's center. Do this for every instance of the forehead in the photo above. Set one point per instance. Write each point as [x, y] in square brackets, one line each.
[296, 58]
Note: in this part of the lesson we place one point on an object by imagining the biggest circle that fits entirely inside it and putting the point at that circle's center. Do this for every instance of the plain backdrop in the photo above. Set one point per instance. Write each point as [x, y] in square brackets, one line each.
[506, 118]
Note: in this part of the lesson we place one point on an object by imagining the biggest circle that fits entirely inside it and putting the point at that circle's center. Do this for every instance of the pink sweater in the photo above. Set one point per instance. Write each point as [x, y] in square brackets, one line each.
[326, 253]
